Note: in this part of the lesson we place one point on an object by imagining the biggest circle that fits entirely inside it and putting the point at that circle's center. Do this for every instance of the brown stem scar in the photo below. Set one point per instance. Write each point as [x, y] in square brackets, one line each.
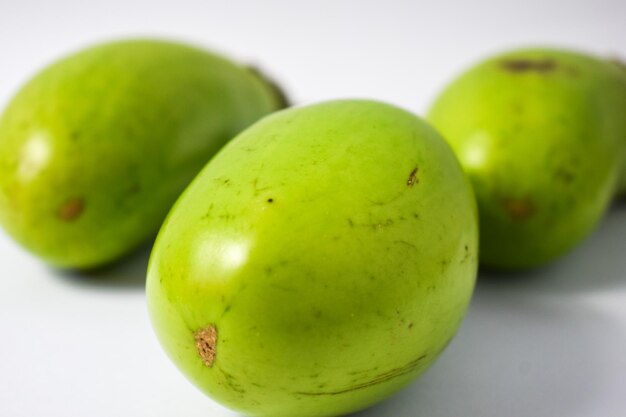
[528, 65]
[518, 209]
[71, 209]
[206, 344]
[412, 180]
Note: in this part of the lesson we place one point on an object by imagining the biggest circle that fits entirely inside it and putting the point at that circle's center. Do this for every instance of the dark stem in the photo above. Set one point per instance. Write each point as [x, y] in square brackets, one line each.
[282, 101]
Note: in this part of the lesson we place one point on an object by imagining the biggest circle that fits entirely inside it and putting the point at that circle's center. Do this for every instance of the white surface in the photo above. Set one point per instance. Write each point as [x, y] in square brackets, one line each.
[548, 343]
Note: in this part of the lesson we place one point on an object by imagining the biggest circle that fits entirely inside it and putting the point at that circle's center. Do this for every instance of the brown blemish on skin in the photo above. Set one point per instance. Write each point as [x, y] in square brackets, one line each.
[466, 256]
[518, 209]
[572, 71]
[206, 344]
[528, 65]
[564, 175]
[71, 209]
[270, 200]
[406, 244]
[412, 180]
[379, 379]
[134, 189]
[231, 381]
[382, 225]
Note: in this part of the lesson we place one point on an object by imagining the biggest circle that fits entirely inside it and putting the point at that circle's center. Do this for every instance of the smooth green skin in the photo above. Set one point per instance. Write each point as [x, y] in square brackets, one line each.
[331, 280]
[96, 148]
[540, 134]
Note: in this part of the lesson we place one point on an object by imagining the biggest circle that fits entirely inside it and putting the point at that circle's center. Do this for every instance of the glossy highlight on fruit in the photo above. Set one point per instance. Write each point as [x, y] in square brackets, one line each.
[319, 263]
[541, 134]
[96, 148]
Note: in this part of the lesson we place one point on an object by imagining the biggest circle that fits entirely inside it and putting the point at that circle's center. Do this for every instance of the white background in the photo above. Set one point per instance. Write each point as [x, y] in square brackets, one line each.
[546, 343]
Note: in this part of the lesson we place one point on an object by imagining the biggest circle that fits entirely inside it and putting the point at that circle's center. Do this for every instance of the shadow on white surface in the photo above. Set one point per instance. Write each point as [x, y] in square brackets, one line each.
[598, 264]
[126, 274]
[535, 344]
[546, 343]
[514, 358]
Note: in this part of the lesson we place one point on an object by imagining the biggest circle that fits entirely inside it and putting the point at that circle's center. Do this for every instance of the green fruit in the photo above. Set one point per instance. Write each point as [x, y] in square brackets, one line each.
[95, 149]
[622, 67]
[320, 262]
[541, 135]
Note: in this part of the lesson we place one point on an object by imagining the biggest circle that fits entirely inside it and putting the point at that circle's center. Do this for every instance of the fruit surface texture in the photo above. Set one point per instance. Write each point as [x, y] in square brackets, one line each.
[96, 148]
[541, 135]
[320, 262]
[621, 66]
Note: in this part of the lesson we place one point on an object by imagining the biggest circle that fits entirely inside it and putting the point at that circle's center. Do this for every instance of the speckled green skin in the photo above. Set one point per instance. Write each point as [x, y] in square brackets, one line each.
[541, 135]
[95, 149]
[334, 249]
